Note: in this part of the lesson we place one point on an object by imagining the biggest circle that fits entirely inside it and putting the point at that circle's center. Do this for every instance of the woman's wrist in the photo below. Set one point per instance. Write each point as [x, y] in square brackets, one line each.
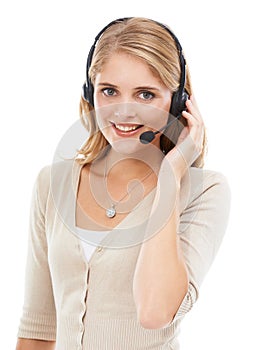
[172, 169]
[167, 191]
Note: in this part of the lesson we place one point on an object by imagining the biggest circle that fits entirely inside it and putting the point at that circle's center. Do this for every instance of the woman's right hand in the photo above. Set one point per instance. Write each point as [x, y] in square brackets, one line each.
[34, 344]
[190, 141]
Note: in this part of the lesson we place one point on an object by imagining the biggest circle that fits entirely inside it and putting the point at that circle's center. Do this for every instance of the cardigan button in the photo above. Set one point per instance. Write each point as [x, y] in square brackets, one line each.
[99, 249]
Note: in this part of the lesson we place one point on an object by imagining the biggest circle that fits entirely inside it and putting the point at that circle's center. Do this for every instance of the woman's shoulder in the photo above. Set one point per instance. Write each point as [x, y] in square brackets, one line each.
[55, 181]
[204, 184]
[199, 176]
[60, 169]
[56, 174]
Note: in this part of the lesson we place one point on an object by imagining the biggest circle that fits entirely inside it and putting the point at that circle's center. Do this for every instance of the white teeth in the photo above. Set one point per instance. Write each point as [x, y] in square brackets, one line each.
[126, 128]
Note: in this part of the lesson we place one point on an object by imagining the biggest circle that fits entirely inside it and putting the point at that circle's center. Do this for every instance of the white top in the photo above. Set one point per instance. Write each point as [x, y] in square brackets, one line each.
[89, 247]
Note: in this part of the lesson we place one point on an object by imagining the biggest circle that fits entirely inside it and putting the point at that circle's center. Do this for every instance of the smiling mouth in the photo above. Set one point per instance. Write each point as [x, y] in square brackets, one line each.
[127, 128]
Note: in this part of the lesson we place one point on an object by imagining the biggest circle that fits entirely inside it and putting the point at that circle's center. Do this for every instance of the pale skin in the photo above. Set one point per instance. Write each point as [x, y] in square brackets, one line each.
[129, 84]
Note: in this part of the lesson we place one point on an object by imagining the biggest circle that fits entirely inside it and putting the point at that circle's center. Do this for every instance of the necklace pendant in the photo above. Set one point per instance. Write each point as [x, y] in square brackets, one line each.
[111, 212]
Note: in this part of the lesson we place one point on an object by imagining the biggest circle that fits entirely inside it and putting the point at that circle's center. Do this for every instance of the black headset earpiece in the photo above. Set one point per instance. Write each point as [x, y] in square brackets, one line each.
[178, 104]
[88, 87]
[179, 97]
[88, 93]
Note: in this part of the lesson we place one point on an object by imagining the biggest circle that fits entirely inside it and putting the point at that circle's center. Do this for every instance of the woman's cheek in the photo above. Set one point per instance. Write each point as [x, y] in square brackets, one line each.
[104, 115]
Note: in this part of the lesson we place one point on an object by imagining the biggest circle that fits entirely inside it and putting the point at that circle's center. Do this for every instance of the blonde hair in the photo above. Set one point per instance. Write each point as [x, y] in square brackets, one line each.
[149, 41]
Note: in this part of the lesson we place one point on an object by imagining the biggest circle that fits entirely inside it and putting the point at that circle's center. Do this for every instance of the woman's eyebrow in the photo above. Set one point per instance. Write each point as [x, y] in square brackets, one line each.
[147, 87]
[144, 87]
[107, 84]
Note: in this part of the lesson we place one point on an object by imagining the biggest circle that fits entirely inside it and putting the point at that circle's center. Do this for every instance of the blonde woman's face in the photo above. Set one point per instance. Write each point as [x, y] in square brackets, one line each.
[129, 100]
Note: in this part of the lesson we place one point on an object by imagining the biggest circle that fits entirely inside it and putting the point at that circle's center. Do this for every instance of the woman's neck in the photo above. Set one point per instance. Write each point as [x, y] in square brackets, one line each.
[131, 166]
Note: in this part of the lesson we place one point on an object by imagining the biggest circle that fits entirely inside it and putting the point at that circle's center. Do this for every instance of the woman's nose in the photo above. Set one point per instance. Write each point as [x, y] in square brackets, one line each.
[126, 110]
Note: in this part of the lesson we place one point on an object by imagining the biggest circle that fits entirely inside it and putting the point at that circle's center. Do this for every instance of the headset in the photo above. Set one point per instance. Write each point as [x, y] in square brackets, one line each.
[179, 97]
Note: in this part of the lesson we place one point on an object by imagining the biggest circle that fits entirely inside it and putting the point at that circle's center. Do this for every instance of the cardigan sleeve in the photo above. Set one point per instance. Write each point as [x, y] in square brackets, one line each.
[202, 227]
[38, 320]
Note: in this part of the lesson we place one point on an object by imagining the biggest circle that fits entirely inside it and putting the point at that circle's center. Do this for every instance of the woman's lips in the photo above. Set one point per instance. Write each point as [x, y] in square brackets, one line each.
[126, 129]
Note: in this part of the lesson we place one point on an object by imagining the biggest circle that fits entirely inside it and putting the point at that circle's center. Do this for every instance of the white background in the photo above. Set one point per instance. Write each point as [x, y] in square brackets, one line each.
[44, 47]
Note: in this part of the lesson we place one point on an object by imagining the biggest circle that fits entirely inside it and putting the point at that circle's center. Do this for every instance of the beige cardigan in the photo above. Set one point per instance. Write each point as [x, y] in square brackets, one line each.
[89, 305]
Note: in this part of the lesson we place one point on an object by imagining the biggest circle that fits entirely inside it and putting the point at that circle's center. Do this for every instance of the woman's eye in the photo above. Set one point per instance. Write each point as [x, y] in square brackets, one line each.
[146, 95]
[109, 91]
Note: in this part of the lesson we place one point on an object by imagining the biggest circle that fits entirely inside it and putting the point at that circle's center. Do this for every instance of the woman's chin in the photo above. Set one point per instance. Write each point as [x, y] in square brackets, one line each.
[127, 146]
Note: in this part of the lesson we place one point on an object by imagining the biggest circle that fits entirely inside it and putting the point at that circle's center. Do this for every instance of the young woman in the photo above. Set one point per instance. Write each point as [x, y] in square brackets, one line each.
[122, 236]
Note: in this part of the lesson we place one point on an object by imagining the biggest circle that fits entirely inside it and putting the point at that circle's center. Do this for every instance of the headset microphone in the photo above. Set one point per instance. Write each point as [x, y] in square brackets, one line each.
[148, 136]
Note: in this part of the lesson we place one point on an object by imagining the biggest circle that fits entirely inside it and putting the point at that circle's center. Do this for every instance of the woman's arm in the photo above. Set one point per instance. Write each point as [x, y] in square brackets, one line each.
[32, 344]
[38, 319]
[161, 278]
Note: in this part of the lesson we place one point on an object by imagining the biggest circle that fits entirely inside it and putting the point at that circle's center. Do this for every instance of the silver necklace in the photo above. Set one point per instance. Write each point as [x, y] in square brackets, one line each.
[111, 211]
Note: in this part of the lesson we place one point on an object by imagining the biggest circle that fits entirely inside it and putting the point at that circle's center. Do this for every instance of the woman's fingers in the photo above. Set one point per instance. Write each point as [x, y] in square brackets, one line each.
[190, 141]
[194, 119]
[193, 110]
